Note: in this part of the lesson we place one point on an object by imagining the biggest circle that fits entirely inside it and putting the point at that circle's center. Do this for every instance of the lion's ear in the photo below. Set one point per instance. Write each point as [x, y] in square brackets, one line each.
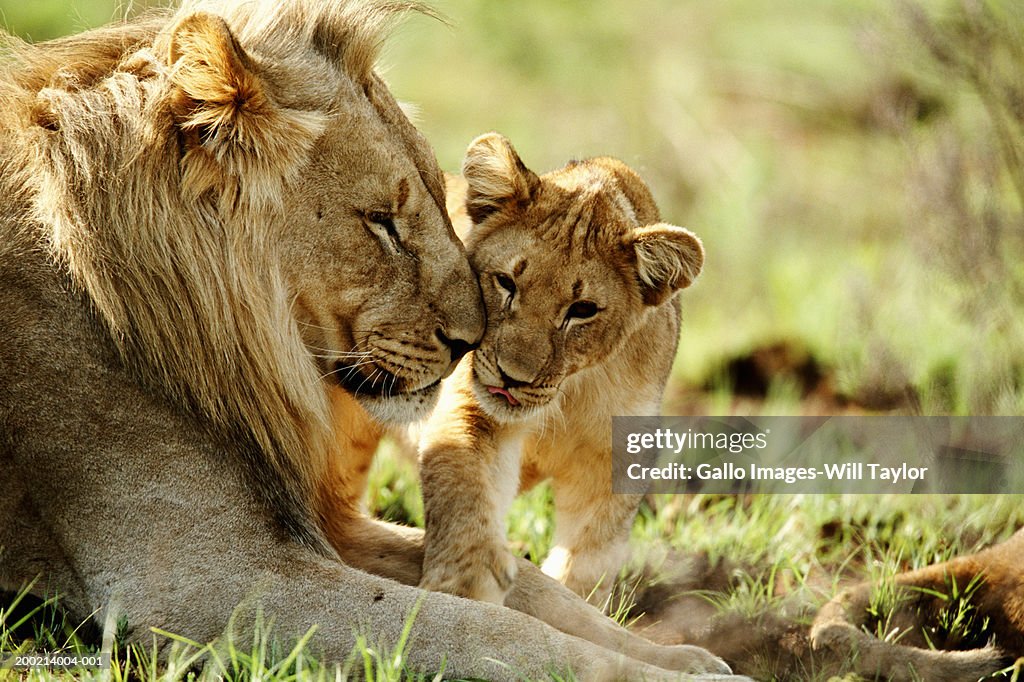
[233, 127]
[495, 175]
[668, 258]
[218, 88]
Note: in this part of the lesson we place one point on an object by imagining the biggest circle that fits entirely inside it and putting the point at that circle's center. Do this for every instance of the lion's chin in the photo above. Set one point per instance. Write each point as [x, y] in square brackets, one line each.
[399, 409]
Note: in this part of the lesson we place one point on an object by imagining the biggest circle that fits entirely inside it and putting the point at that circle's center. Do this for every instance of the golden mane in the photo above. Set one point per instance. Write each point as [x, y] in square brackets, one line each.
[174, 250]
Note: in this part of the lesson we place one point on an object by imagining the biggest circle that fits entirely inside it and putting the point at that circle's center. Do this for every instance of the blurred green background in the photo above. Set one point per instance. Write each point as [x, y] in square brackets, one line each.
[855, 168]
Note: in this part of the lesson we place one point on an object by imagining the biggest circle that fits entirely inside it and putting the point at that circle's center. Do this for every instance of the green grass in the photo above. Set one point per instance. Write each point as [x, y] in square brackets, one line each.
[788, 554]
[262, 658]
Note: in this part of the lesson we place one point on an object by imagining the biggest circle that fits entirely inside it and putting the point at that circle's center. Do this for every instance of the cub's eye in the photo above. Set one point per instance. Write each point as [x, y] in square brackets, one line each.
[506, 283]
[581, 310]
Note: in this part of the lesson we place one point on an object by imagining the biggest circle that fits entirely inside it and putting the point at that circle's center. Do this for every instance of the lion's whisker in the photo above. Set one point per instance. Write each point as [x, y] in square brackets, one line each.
[316, 326]
[339, 356]
[328, 354]
[347, 369]
[370, 378]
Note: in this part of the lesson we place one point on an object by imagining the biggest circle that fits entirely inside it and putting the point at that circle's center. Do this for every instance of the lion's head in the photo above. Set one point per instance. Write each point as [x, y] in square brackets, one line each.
[251, 213]
[571, 264]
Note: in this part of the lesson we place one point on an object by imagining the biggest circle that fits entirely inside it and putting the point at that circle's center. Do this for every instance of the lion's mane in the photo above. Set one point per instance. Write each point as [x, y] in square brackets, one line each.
[178, 259]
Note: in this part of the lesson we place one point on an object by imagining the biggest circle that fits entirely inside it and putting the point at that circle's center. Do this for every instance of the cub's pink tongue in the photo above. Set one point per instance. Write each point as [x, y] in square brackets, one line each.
[495, 390]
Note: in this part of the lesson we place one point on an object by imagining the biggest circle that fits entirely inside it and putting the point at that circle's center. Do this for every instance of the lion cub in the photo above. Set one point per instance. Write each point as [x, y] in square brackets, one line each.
[579, 277]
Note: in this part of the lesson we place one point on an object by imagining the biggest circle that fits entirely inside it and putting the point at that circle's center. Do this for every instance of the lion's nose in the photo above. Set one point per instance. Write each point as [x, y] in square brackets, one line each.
[457, 347]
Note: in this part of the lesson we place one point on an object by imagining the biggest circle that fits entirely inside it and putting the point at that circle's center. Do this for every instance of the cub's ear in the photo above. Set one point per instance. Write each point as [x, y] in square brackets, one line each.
[668, 258]
[455, 202]
[495, 175]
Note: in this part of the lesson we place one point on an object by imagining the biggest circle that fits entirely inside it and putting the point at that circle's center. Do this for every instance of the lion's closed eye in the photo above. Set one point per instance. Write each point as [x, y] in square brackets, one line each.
[382, 225]
[582, 310]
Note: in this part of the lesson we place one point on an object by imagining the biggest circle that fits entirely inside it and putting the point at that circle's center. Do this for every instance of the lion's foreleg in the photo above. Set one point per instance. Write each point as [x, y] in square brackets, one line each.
[543, 598]
[396, 552]
[294, 589]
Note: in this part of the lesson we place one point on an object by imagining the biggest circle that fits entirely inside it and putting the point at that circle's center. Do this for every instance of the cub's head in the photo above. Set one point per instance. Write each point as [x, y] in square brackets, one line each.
[571, 264]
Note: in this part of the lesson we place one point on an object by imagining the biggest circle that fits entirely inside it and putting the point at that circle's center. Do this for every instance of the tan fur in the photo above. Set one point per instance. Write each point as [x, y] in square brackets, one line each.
[397, 552]
[190, 306]
[840, 625]
[225, 263]
[589, 233]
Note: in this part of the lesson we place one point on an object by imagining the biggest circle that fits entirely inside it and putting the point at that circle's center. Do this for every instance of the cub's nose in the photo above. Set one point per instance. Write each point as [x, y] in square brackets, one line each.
[508, 381]
[456, 346]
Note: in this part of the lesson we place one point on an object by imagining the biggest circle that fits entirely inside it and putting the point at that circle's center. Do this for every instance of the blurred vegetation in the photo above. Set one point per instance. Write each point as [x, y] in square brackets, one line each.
[854, 167]
[45, 19]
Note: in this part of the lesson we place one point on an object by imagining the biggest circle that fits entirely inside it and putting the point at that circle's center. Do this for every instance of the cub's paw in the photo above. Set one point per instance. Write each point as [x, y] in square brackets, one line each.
[484, 573]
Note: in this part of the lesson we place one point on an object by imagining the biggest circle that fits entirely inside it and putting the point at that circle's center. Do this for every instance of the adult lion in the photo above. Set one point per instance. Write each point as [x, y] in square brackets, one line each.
[212, 224]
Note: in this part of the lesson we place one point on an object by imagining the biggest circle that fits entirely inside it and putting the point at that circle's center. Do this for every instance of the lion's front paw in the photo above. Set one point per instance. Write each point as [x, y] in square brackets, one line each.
[693, 659]
[481, 573]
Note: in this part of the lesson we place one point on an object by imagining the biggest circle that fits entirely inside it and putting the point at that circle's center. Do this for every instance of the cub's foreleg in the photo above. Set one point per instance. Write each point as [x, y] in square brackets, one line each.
[468, 483]
[592, 528]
